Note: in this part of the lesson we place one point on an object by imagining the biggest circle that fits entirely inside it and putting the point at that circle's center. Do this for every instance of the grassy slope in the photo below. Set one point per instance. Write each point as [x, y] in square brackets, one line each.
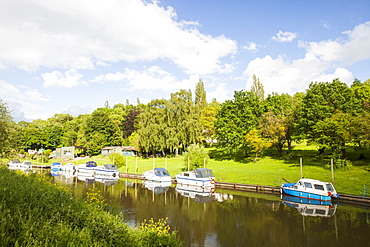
[268, 170]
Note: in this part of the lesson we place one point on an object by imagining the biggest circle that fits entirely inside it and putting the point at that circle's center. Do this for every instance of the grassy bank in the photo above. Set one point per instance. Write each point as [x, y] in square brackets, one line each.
[34, 212]
[268, 170]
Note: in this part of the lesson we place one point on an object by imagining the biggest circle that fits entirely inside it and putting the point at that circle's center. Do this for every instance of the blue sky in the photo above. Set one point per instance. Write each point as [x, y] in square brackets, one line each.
[73, 56]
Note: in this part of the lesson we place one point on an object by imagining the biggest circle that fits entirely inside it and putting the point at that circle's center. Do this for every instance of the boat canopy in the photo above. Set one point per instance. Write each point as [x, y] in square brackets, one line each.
[161, 172]
[91, 164]
[110, 167]
[203, 173]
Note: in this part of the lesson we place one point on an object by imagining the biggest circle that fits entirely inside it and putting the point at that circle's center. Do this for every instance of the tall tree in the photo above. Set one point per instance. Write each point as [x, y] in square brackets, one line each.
[200, 95]
[208, 120]
[322, 99]
[257, 88]
[5, 128]
[320, 108]
[235, 119]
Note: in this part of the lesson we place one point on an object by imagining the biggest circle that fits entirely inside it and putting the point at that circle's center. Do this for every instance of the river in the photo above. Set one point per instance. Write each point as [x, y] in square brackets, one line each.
[230, 218]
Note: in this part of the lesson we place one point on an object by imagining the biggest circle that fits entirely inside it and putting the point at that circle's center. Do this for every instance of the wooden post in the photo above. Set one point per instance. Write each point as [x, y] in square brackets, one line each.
[136, 165]
[300, 165]
[204, 162]
[126, 165]
[188, 163]
[332, 171]
[153, 163]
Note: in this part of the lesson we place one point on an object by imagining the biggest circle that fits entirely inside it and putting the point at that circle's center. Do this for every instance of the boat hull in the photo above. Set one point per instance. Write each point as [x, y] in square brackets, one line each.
[204, 182]
[306, 195]
[108, 173]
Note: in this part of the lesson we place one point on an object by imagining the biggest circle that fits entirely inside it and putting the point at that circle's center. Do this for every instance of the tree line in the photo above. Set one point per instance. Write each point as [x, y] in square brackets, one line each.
[331, 115]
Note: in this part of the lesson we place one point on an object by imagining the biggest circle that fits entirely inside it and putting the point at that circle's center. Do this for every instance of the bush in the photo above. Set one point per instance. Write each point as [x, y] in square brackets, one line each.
[117, 159]
[195, 155]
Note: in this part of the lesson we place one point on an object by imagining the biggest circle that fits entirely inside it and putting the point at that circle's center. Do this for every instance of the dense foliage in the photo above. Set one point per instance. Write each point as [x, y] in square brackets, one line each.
[331, 115]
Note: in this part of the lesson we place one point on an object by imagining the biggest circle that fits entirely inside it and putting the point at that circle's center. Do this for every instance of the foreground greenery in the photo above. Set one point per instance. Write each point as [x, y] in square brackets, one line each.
[34, 212]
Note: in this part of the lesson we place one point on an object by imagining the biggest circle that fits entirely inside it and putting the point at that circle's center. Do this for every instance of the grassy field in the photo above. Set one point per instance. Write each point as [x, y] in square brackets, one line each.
[268, 170]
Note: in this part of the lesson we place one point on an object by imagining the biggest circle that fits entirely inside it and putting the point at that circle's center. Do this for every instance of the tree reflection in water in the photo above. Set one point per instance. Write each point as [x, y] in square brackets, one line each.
[230, 218]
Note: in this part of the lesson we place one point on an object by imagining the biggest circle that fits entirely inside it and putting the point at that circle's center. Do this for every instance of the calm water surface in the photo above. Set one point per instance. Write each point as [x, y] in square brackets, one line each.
[230, 218]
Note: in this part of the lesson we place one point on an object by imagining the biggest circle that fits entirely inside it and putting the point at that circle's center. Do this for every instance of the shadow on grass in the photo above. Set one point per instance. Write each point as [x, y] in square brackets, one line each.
[218, 155]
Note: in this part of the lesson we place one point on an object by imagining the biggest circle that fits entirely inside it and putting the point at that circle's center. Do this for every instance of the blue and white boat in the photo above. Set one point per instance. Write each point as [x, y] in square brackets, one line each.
[56, 166]
[199, 177]
[107, 170]
[89, 167]
[310, 189]
[157, 175]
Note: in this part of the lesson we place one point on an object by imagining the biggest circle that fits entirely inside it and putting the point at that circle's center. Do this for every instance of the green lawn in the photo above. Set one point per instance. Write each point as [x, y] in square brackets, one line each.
[268, 170]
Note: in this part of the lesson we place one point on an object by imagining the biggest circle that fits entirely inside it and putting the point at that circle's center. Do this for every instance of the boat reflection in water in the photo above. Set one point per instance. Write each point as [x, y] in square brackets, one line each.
[308, 207]
[197, 193]
[157, 187]
[106, 180]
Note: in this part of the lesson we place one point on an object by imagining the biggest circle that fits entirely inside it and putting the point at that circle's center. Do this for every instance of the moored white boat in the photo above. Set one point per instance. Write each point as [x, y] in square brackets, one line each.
[107, 170]
[310, 189]
[198, 177]
[158, 175]
[14, 163]
[68, 167]
[89, 167]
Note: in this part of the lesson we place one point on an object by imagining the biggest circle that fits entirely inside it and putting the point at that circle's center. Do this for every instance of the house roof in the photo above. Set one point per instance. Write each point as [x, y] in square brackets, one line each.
[129, 148]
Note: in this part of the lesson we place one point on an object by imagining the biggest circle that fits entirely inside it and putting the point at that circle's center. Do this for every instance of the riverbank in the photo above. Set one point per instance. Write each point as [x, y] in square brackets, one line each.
[269, 170]
[35, 212]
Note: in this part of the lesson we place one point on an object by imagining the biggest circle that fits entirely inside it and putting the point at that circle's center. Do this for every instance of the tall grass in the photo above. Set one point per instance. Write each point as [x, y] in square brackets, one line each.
[35, 212]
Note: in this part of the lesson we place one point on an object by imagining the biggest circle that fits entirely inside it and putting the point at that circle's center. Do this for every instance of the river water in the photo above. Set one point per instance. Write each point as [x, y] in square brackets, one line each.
[230, 218]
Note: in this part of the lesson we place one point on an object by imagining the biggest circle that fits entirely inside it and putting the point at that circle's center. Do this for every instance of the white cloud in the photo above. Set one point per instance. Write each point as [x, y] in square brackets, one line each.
[148, 79]
[325, 24]
[70, 78]
[284, 36]
[356, 48]
[323, 61]
[7, 89]
[21, 100]
[23, 93]
[252, 47]
[80, 35]
[77, 110]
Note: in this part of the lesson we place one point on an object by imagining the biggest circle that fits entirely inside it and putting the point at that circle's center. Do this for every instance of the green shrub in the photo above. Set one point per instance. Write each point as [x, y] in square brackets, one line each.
[118, 159]
[196, 156]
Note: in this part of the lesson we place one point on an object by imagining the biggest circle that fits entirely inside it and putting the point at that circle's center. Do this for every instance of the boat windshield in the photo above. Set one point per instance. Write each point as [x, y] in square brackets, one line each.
[203, 173]
[330, 187]
[161, 172]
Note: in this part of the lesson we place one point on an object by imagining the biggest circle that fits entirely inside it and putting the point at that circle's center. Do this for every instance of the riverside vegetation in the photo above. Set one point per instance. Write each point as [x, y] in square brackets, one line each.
[35, 212]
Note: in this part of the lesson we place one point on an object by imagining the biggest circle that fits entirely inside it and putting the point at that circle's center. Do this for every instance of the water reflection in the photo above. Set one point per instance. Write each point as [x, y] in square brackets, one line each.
[157, 187]
[308, 207]
[230, 218]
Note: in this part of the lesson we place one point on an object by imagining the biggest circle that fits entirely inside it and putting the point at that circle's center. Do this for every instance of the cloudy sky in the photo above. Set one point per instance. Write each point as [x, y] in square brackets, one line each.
[68, 56]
